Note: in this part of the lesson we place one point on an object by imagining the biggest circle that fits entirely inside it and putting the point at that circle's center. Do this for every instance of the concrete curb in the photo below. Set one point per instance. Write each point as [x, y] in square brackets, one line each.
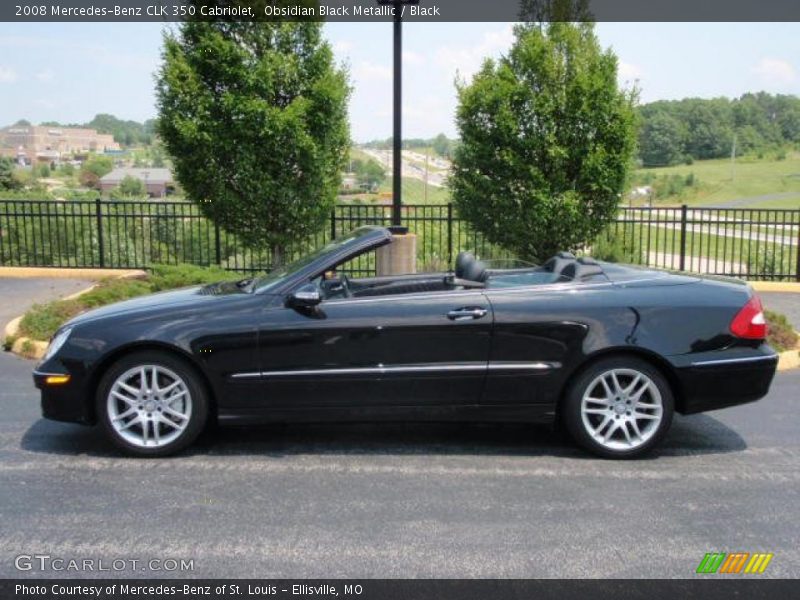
[776, 286]
[789, 360]
[69, 273]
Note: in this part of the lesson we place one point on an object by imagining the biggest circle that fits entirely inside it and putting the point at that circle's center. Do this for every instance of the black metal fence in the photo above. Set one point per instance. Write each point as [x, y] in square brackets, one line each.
[752, 243]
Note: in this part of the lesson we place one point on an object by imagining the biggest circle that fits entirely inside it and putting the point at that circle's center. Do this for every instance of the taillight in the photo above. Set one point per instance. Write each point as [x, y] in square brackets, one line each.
[749, 322]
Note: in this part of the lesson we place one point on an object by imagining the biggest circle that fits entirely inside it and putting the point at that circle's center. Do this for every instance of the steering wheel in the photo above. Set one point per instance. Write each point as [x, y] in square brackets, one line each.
[338, 287]
[345, 285]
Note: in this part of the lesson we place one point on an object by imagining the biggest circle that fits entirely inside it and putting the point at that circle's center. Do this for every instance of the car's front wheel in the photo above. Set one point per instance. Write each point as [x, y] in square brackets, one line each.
[620, 407]
[151, 404]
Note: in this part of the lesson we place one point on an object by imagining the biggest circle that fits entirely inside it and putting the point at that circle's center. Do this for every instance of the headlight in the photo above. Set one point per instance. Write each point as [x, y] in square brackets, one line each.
[57, 342]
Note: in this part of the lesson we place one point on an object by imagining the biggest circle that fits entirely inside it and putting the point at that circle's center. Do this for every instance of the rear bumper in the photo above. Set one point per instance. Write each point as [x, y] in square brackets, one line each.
[714, 380]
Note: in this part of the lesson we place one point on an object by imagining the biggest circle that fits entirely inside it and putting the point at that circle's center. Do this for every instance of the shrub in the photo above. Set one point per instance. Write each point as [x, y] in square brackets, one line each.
[612, 246]
[8, 342]
[768, 261]
[28, 349]
[165, 277]
[42, 320]
[781, 335]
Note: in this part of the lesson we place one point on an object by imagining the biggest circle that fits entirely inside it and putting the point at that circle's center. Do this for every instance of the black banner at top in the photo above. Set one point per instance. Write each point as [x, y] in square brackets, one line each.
[409, 10]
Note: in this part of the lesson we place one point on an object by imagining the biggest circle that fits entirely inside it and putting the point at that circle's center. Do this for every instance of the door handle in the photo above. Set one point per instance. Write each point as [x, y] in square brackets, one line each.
[470, 312]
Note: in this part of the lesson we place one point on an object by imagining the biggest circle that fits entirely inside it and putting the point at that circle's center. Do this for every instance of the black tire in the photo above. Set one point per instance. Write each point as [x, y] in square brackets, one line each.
[573, 416]
[197, 395]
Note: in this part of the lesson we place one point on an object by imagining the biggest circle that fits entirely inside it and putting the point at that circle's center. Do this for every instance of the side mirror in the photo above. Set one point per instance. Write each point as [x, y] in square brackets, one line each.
[307, 296]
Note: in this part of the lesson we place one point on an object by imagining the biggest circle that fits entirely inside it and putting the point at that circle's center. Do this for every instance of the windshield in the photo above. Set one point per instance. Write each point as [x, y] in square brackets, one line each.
[274, 277]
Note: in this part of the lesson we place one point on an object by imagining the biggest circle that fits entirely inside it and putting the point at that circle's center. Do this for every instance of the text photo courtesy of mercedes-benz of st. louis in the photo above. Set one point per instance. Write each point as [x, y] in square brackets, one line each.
[608, 351]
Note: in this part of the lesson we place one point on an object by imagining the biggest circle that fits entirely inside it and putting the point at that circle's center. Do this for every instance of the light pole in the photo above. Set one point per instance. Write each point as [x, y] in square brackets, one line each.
[397, 135]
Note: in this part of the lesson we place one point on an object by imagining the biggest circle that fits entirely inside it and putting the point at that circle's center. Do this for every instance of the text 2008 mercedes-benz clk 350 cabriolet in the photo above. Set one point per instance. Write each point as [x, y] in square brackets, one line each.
[611, 351]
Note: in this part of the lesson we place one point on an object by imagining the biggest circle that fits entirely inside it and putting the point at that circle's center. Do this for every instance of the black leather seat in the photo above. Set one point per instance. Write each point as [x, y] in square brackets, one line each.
[462, 261]
[558, 263]
[469, 269]
[583, 269]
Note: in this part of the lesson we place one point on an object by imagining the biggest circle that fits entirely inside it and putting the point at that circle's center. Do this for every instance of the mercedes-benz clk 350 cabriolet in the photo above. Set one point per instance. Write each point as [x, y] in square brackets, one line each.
[610, 351]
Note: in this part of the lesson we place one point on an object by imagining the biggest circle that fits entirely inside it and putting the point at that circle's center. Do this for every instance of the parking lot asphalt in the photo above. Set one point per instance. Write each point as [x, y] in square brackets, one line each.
[402, 500]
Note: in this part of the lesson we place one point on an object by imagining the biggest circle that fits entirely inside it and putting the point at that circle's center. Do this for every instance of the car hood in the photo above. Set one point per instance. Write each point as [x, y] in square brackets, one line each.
[161, 302]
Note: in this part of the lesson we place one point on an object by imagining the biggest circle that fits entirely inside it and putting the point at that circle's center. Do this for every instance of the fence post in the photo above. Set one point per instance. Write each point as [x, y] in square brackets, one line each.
[449, 234]
[333, 223]
[217, 247]
[99, 217]
[683, 238]
[797, 274]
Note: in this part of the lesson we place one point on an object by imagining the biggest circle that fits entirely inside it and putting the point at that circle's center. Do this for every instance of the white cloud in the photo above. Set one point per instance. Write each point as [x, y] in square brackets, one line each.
[412, 58]
[369, 71]
[776, 71]
[7, 75]
[467, 60]
[45, 76]
[628, 71]
[43, 103]
[342, 46]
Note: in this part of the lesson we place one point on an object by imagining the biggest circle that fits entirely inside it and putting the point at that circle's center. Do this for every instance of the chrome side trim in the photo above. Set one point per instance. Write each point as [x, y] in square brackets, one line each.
[733, 361]
[43, 374]
[253, 375]
[523, 366]
[383, 369]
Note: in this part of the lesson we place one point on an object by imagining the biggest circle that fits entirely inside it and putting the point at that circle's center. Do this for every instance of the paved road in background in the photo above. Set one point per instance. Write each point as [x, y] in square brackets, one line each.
[753, 201]
[402, 500]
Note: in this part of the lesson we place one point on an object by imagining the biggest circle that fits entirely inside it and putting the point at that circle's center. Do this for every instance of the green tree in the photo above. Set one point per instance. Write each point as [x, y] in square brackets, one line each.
[368, 172]
[661, 141]
[254, 116]
[132, 187]
[441, 145]
[547, 137]
[93, 169]
[7, 179]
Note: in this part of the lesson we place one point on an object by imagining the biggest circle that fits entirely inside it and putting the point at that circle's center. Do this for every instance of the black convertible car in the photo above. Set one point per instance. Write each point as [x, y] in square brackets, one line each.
[610, 351]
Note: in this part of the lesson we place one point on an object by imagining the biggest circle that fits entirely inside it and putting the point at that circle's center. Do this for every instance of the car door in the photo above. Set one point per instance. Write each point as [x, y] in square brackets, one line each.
[388, 351]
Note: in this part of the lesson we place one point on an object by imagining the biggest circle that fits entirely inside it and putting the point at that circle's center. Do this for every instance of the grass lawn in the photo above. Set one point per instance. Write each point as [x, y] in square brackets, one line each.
[414, 192]
[753, 177]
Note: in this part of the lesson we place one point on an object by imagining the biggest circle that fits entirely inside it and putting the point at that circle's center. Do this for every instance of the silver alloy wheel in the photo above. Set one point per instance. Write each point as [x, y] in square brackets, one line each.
[149, 406]
[621, 409]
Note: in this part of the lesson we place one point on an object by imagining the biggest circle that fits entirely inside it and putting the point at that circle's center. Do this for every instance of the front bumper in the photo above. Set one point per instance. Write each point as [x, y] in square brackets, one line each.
[62, 401]
[714, 380]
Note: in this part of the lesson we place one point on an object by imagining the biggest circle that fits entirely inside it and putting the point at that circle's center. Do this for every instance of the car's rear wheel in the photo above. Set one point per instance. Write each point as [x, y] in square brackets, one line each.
[620, 407]
[151, 404]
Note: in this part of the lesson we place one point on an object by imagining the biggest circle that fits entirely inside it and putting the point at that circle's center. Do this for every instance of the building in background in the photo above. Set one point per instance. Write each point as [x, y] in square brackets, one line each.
[156, 181]
[32, 144]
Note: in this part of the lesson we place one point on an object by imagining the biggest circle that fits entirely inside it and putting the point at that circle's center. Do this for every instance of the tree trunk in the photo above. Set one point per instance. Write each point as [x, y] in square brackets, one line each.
[277, 255]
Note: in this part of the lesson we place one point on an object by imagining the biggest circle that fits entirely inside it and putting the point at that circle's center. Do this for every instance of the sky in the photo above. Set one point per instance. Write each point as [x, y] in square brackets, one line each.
[68, 72]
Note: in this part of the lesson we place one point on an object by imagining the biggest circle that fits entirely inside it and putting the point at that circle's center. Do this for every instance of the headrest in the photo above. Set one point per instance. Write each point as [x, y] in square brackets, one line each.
[581, 271]
[557, 263]
[475, 271]
[463, 260]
